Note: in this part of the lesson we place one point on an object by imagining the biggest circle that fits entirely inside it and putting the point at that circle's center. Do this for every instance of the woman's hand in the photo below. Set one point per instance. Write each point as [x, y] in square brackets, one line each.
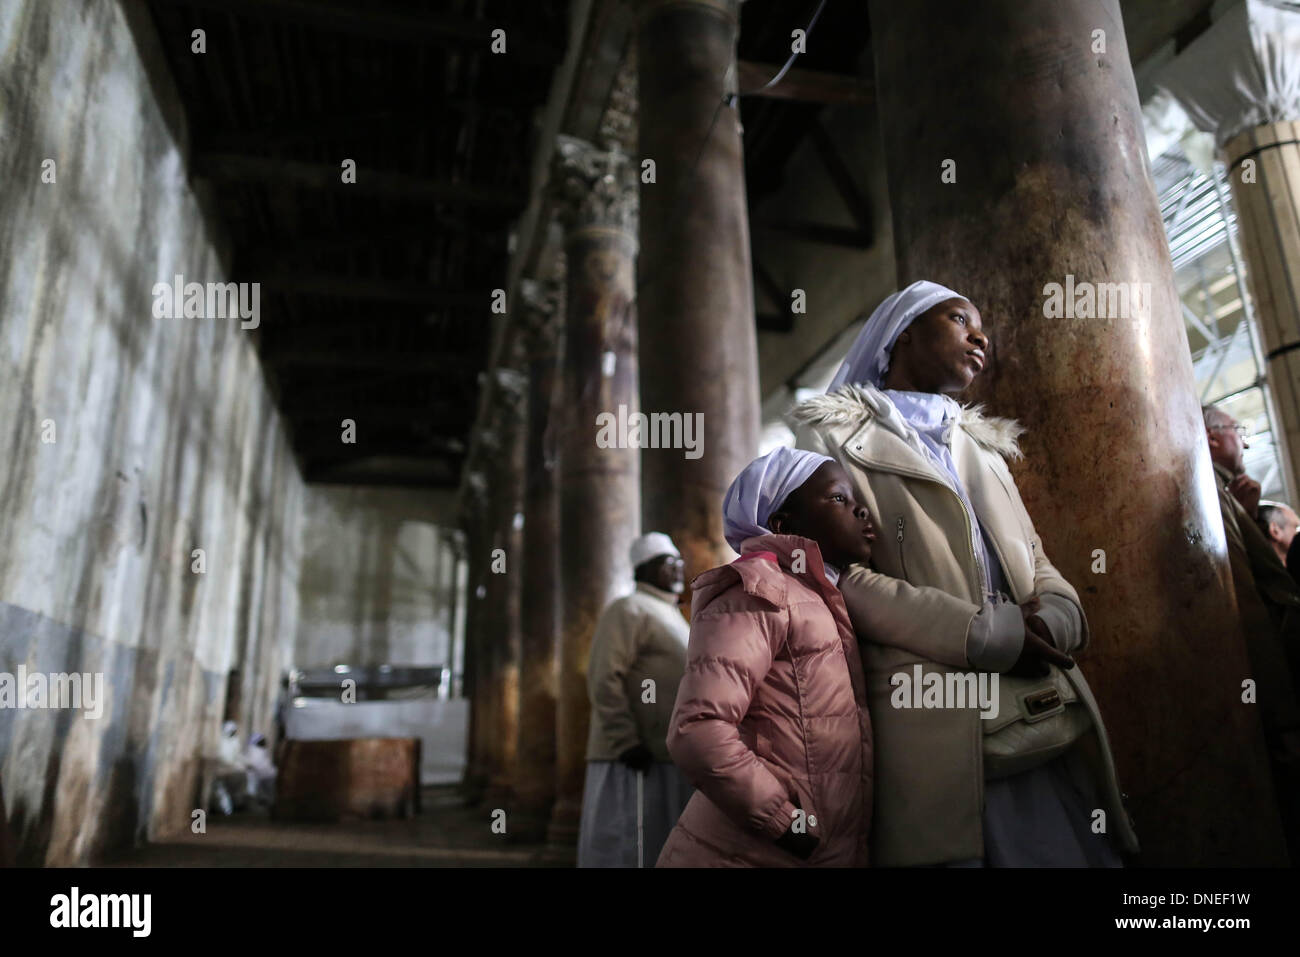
[1038, 650]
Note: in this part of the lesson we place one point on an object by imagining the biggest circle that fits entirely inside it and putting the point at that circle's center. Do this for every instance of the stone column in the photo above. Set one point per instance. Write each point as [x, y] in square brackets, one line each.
[534, 779]
[599, 487]
[1231, 81]
[694, 284]
[506, 571]
[473, 505]
[1046, 142]
[1267, 199]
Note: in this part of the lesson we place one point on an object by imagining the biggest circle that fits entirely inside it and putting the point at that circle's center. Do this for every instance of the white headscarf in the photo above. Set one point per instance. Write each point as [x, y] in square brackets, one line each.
[868, 358]
[761, 488]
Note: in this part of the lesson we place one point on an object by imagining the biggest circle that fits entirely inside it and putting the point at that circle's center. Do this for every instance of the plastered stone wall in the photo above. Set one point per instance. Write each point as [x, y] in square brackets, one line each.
[378, 576]
[165, 441]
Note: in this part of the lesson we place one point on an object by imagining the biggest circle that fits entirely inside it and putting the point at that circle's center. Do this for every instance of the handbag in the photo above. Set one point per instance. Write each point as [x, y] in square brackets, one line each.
[1037, 719]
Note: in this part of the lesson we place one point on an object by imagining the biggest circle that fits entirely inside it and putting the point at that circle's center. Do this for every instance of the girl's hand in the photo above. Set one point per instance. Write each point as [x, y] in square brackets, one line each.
[801, 846]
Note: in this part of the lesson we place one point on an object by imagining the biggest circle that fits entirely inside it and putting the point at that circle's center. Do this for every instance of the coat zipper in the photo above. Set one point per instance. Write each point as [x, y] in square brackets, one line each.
[970, 542]
[901, 560]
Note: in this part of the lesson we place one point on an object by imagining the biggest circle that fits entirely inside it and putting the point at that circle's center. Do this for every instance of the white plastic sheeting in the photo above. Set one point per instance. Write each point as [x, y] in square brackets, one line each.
[1243, 72]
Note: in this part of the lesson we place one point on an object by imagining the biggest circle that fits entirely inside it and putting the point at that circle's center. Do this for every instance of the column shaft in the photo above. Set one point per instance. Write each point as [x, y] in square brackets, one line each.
[695, 287]
[505, 583]
[599, 499]
[1268, 217]
[534, 779]
[477, 547]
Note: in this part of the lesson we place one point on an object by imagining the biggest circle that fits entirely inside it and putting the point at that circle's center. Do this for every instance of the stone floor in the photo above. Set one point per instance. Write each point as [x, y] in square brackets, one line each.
[445, 834]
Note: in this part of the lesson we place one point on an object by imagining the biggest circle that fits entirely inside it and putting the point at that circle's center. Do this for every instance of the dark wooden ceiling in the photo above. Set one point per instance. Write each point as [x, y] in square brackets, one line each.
[375, 296]
[835, 69]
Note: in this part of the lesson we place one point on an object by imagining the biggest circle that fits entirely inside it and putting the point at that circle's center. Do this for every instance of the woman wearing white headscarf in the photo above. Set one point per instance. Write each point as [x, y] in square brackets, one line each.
[959, 583]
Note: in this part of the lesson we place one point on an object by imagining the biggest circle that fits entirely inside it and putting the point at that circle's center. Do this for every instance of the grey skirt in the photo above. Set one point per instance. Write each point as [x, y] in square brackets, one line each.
[612, 832]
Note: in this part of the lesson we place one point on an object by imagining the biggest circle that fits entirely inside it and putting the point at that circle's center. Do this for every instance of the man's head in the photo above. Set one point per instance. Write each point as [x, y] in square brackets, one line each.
[1226, 438]
[824, 510]
[942, 350]
[656, 561]
[1279, 523]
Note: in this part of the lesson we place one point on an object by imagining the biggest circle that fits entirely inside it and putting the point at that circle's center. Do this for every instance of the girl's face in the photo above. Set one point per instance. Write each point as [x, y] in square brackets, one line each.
[823, 509]
[942, 351]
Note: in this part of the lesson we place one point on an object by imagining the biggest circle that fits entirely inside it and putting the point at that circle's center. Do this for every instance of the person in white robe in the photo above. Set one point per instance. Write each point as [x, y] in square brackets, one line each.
[633, 793]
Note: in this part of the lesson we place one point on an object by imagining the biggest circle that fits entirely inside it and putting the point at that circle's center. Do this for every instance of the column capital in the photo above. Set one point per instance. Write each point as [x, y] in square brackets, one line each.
[511, 389]
[618, 123]
[595, 187]
[1238, 74]
[473, 499]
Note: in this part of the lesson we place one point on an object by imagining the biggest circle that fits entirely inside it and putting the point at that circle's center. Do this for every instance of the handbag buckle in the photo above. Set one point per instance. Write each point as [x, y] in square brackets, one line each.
[1041, 703]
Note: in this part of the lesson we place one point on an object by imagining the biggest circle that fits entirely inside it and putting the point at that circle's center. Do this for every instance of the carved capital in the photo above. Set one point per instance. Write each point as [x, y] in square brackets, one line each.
[595, 187]
[473, 498]
[511, 390]
[618, 124]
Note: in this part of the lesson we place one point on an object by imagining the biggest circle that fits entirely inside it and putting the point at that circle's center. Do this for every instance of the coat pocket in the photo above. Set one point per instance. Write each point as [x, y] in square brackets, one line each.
[763, 748]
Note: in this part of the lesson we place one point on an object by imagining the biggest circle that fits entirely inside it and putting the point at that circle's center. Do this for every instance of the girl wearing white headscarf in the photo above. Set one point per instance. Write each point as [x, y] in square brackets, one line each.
[959, 583]
[770, 722]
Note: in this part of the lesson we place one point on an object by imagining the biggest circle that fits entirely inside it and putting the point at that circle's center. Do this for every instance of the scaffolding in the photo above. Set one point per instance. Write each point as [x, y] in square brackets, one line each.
[1201, 226]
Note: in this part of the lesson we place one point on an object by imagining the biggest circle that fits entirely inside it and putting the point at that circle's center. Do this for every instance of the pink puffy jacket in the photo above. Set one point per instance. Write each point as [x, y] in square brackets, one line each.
[771, 710]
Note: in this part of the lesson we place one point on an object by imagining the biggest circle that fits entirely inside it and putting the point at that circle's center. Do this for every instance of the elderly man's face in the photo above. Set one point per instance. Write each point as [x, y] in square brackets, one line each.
[1282, 528]
[1227, 446]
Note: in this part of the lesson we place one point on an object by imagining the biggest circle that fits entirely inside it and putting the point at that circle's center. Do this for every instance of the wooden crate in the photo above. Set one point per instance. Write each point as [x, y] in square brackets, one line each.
[357, 777]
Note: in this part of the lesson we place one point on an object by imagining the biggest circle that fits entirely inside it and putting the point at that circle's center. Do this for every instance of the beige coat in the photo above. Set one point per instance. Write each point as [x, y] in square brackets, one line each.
[639, 637]
[916, 607]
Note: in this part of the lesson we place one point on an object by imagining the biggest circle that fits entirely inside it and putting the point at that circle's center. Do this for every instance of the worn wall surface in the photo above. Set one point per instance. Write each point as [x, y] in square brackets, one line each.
[164, 440]
[378, 577]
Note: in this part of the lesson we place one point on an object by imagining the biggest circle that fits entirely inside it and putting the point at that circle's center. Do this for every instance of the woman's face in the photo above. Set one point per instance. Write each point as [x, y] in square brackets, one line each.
[943, 350]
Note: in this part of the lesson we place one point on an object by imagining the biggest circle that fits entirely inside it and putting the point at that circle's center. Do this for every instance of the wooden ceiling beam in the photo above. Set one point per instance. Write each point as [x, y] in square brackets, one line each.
[817, 233]
[243, 168]
[809, 86]
[368, 236]
[384, 22]
[372, 290]
[453, 365]
[855, 201]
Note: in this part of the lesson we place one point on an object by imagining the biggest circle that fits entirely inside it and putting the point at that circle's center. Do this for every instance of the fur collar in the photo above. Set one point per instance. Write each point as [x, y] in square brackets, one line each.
[853, 405]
